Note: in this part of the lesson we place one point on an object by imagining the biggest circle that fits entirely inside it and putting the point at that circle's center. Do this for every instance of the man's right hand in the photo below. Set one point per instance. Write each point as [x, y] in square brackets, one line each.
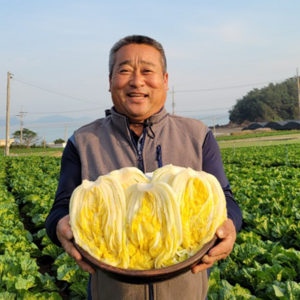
[65, 235]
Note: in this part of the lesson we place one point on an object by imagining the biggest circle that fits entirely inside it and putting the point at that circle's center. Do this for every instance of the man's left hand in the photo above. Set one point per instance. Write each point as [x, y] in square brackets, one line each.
[227, 234]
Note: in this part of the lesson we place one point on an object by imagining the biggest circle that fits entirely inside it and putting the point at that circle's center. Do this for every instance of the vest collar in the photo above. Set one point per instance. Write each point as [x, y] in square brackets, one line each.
[122, 121]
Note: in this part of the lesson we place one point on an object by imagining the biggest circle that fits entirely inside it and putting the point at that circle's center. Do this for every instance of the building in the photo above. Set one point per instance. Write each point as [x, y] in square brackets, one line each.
[52, 145]
[2, 142]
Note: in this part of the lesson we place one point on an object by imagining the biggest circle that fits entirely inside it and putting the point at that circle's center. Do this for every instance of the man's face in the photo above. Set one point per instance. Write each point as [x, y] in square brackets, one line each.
[138, 86]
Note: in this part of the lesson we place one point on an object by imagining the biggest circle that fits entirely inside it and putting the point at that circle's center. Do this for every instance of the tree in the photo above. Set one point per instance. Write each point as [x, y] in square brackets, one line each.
[59, 141]
[276, 102]
[28, 137]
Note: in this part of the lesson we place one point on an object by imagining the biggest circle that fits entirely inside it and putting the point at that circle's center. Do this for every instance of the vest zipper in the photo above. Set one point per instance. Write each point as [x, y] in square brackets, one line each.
[139, 148]
[158, 156]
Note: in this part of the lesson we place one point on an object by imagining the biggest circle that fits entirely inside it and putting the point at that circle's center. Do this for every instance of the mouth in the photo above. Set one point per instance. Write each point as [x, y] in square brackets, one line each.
[137, 96]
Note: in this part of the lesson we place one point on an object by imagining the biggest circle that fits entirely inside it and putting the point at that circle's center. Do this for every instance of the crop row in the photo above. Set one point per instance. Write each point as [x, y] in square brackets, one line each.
[30, 184]
[19, 272]
[264, 263]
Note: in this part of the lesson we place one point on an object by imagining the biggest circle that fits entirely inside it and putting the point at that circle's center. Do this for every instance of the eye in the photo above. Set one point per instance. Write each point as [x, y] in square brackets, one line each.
[147, 71]
[124, 71]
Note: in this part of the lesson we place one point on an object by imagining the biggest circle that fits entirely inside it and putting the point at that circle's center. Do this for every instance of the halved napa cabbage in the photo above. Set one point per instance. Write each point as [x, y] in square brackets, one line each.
[220, 211]
[202, 208]
[153, 225]
[166, 173]
[127, 222]
[129, 176]
[97, 219]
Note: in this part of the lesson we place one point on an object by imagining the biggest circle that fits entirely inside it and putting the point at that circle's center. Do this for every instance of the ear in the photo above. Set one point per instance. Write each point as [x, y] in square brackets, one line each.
[166, 81]
[109, 80]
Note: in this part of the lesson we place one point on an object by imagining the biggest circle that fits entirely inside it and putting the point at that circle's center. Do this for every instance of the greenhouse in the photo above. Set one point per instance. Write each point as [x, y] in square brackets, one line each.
[275, 125]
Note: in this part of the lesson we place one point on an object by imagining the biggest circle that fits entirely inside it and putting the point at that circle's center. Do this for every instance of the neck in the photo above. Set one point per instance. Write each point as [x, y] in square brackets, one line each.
[136, 128]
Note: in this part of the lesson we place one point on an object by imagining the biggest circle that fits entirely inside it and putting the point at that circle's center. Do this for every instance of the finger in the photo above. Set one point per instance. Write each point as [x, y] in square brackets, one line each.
[200, 268]
[207, 263]
[85, 266]
[70, 249]
[74, 253]
[65, 234]
[225, 229]
[226, 232]
[212, 259]
[63, 228]
[225, 246]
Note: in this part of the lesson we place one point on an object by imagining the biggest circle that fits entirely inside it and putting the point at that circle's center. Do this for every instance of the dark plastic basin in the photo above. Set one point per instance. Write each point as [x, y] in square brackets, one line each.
[147, 276]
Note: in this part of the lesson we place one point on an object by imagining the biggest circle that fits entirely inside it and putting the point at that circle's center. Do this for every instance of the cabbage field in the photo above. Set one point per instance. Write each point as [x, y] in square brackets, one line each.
[264, 264]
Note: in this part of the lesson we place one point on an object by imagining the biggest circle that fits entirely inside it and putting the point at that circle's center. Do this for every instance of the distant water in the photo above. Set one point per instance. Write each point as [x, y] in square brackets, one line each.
[55, 131]
[49, 132]
[212, 120]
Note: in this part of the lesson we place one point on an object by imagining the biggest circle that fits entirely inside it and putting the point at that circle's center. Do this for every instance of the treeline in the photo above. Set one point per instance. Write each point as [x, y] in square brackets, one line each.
[275, 102]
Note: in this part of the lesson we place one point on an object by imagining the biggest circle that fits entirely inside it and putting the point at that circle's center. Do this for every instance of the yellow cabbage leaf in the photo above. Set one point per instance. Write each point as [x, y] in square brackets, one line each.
[153, 225]
[97, 219]
[166, 173]
[129, 176]
[202, 208]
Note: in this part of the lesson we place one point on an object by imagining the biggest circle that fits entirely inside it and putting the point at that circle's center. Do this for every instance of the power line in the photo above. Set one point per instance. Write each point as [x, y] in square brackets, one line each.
[210, 117]
[51, 91]
[225, 88]
[70, 111]
[55, 125]
[214, 89]
[203, 109]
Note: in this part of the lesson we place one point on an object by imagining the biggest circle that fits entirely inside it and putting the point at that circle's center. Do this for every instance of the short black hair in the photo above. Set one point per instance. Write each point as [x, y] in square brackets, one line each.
[136, 39]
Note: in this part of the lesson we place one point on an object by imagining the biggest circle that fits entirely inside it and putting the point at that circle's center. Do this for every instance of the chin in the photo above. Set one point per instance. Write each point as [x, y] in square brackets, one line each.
[138, 114]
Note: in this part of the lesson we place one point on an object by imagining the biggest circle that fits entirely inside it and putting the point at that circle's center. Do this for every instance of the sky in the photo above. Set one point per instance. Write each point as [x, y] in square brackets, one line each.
[217, 51]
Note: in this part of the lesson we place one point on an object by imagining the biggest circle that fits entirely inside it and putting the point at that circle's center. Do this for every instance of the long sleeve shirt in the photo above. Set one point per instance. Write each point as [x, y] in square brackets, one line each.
[70, 178]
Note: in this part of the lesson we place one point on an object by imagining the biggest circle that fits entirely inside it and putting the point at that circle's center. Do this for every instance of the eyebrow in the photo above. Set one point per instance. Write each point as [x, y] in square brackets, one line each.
[128, 62]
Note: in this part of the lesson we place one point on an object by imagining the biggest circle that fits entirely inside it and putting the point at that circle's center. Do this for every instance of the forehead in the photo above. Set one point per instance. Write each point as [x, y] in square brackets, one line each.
[138, 54]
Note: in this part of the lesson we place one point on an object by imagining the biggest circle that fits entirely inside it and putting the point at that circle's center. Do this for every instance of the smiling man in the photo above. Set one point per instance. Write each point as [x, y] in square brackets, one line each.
[140, 133]
[138, 83]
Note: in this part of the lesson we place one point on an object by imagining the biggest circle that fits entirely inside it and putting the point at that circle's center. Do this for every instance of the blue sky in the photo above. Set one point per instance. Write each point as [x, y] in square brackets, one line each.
[63, 46]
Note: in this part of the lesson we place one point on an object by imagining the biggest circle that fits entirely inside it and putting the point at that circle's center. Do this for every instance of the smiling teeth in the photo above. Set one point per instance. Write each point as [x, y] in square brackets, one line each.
[137, 95]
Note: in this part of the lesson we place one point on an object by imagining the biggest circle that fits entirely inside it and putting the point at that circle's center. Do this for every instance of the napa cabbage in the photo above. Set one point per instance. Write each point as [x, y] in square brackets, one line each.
[202, 208]
[129, 176]
[153, 225]
[129, 221]
[97, 218]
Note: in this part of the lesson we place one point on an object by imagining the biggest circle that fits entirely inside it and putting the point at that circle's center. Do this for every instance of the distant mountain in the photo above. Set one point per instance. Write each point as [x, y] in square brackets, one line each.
[12, 121]
[58, 119]
[45, 120]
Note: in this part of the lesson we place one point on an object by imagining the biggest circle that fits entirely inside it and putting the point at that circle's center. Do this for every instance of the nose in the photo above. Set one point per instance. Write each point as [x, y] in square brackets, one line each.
[137, 79]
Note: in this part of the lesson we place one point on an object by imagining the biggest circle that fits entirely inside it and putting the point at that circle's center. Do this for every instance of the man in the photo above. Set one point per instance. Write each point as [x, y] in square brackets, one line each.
[140, 133]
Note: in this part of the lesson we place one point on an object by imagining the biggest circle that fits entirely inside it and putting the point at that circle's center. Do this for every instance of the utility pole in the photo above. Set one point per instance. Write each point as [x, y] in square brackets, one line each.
[173, 100]
[66, 132]
[7, 115]
[214, 125]
[21, 115]
[298, 84]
